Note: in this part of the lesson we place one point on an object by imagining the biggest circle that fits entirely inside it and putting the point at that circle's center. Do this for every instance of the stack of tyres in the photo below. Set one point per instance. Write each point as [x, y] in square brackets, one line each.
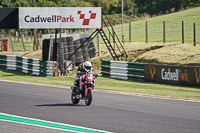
[65, 50]
[84, 49]
[92, 50]
[78, 54]
[70, 46]
[91, 47]
[61, 57]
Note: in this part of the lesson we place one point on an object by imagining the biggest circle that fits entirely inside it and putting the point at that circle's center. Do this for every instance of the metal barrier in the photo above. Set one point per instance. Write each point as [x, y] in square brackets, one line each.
[28, 65]
[122, 70]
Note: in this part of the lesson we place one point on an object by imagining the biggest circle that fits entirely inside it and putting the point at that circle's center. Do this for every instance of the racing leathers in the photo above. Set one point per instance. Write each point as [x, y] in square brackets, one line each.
[80, 71]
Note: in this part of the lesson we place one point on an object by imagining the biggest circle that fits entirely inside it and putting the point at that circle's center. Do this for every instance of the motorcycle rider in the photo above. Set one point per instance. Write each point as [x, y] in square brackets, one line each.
[85, 67]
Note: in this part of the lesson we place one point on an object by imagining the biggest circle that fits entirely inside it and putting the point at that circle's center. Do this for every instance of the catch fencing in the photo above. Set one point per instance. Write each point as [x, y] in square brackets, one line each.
[122, 70]
[30, 66]
[158, 31]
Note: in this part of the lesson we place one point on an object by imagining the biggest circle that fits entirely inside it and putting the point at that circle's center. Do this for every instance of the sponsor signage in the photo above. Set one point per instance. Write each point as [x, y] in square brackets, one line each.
[187, 75]
[59, 17]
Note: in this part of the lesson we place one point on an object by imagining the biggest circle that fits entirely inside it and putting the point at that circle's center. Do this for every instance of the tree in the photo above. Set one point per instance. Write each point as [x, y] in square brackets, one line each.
[130, 8]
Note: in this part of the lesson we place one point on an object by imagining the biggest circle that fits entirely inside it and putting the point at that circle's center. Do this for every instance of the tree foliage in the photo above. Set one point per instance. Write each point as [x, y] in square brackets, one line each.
[131, 7]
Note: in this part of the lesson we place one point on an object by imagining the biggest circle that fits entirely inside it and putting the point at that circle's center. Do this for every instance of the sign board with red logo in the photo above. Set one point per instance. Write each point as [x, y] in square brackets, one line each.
[186, 75]
[59, 17]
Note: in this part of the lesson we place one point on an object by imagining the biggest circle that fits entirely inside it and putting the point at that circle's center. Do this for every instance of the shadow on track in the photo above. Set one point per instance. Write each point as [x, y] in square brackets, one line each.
[59, 104]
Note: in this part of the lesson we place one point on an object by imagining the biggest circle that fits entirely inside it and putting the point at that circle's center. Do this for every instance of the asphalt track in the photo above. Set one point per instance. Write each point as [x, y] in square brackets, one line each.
[112, 112]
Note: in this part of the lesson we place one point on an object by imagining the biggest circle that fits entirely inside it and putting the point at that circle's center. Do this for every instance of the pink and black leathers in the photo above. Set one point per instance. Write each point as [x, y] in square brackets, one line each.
[84, 90]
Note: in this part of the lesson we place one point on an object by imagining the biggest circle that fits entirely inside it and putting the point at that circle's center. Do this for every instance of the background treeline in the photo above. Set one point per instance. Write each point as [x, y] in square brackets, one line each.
[132, 8]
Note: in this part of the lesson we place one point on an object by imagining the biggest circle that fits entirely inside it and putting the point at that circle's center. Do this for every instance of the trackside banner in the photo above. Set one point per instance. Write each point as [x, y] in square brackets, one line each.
[185, 75]
[59, 17]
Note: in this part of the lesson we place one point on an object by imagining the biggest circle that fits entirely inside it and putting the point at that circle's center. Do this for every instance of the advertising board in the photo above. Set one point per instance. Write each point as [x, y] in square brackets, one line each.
[59, 17]
[186, 75]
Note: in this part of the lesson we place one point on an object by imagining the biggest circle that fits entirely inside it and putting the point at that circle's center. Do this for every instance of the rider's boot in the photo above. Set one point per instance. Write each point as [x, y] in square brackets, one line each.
[73, 88]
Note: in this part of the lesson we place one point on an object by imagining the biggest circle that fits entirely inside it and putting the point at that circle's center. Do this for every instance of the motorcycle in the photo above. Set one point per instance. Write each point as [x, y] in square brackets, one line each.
[84, 91]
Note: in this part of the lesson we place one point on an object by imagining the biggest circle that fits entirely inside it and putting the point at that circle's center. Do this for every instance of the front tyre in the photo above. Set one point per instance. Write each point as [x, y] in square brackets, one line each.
[74, 98]
[88, 98]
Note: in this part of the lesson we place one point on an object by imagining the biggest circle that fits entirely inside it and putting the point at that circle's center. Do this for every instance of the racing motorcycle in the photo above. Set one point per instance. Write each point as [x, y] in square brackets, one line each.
[84, 91]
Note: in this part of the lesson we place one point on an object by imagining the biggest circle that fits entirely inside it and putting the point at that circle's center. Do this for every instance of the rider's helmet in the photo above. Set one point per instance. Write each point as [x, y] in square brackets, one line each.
[87, 65]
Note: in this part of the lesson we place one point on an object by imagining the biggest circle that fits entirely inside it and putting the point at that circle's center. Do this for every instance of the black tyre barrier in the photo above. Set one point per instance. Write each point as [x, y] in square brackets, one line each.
[71, 51]
[61, 58]
[54, 51]
[82, 40]
[78, 54]
[65, 44]
[84, 49]
[65, 48]
[92, 50]
[45, 49]
[65, 56]
[85, 52]
[65, 39]
[69, 39]
[85, 35]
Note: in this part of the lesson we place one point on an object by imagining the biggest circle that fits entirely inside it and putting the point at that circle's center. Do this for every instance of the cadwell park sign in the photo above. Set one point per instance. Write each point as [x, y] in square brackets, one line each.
[59, 17]
[186, 75]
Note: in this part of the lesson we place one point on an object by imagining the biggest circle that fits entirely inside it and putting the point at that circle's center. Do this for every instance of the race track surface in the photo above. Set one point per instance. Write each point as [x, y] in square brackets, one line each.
[109, 111]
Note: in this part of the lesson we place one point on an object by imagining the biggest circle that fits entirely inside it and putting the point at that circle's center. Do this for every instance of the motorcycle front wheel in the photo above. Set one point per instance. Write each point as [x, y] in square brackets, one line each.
[74, 98]
[88, 98]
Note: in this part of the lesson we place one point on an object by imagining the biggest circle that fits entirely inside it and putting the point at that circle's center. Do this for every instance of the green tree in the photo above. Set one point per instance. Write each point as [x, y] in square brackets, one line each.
[130, 8]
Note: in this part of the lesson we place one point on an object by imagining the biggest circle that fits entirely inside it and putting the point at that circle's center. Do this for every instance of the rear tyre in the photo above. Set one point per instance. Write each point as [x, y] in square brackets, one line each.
[88, 99]
[74, 99]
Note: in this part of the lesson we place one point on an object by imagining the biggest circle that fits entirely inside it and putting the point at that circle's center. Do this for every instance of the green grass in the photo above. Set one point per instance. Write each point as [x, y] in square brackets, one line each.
[171, 53]
[173, 27]
[114, 85]
[17, 44]
[175, 54]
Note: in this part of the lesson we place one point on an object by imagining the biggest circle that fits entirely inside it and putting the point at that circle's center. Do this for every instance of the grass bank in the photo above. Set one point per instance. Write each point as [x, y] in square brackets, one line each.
[114, 85]
[173, 27]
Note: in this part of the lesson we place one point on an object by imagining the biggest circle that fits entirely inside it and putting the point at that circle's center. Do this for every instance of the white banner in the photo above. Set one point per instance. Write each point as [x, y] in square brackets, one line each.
[59, 17]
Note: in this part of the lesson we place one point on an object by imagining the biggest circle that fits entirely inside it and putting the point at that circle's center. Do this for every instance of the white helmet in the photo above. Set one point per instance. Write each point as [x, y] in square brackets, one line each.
[87, 65]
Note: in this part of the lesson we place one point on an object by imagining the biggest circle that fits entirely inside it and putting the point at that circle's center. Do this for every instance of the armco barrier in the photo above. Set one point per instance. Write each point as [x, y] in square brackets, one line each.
[122, 69]
[28, 65]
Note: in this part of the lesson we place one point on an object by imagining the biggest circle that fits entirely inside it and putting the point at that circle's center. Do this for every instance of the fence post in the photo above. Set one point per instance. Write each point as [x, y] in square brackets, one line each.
[146, 33]
[11, 42]
[38, 41]
[194, 35]
[35, 40]
[18, 36]
[129, 31]
[99, 44]
[50, 47]
[2, 47]
[163, 31]
[22, 36]
[31, 35]
[182, 32]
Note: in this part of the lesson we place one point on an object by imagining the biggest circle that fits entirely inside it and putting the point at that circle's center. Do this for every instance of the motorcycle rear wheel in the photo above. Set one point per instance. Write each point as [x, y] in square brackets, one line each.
[88, 98]
[74, 99]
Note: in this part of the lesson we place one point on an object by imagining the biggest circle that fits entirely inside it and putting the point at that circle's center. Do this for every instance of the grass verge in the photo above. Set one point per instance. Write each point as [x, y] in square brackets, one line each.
[114, 85]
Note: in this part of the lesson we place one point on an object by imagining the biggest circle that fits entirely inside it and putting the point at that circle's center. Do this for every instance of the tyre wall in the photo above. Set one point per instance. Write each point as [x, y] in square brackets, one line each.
[66, 47]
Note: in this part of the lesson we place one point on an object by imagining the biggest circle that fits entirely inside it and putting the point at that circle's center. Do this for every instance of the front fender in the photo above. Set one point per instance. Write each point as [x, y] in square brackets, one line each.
[86, 91]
